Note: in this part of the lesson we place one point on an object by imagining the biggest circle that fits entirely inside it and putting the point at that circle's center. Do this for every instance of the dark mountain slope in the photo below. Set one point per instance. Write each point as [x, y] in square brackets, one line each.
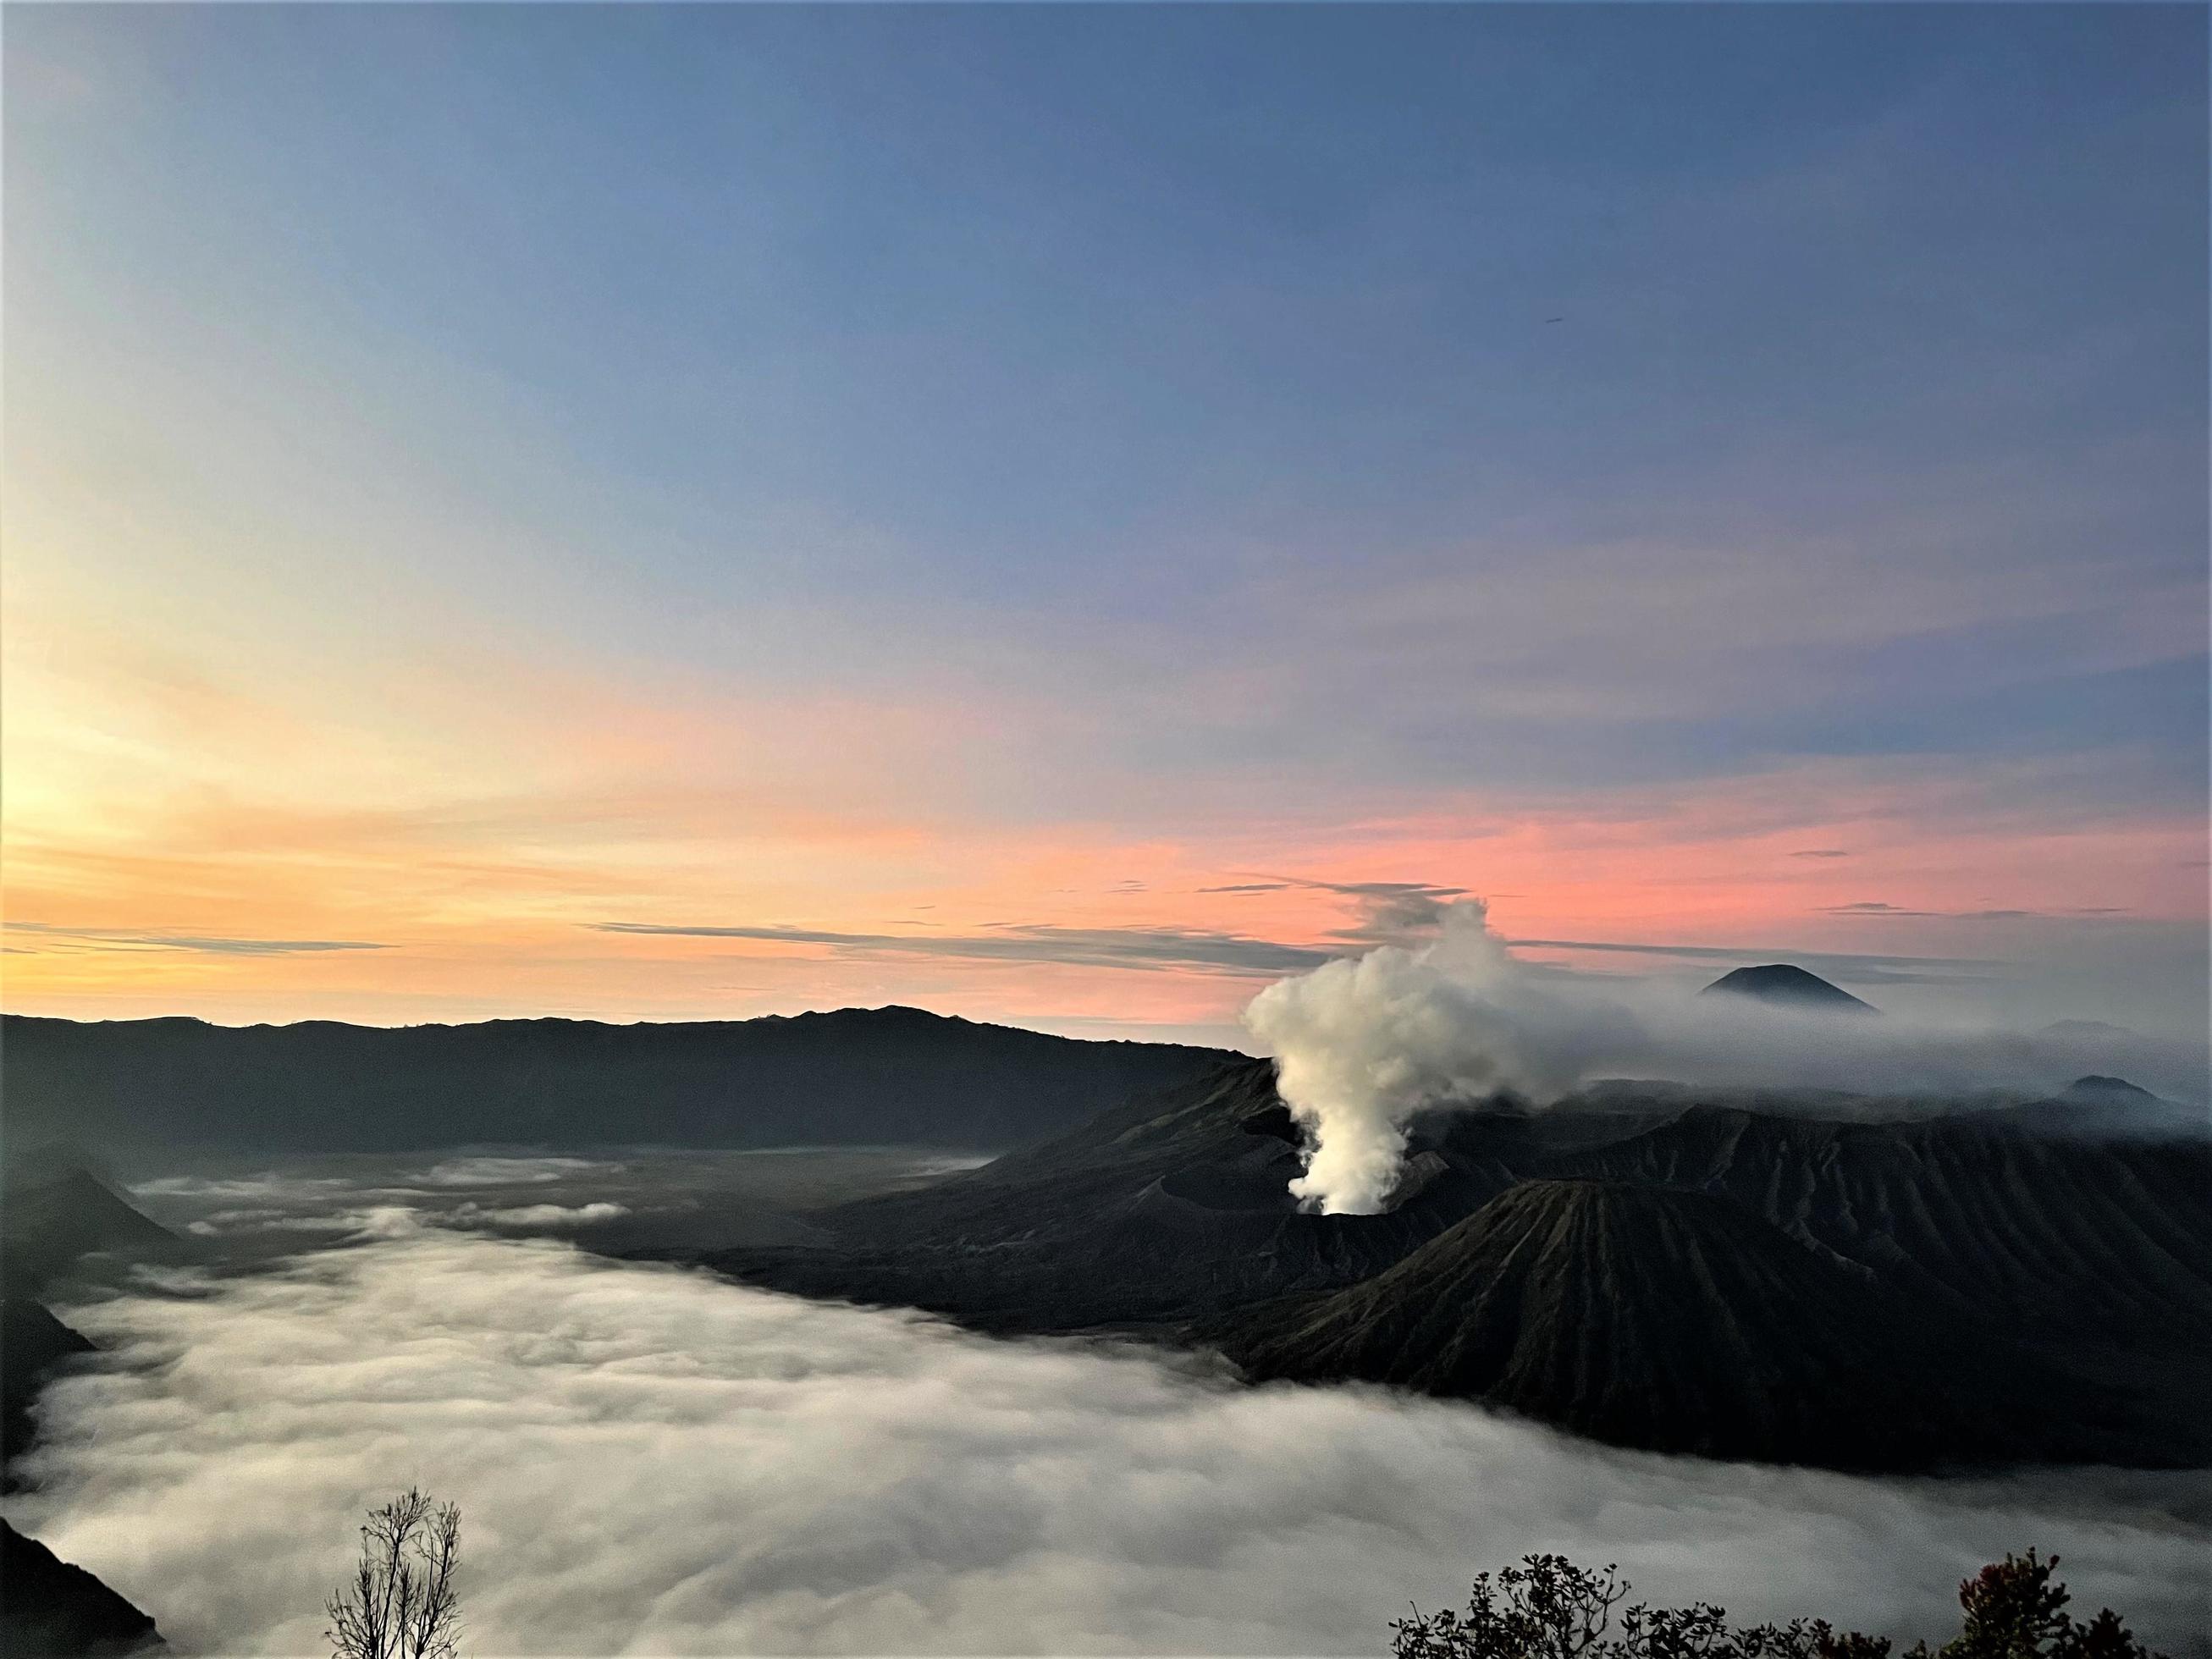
[1672, 1320]
[1224, 1146]
[1184, 1194]
[53, 1220]
[1202, 1124]
[1976, 1215]
[1782, 982]
[2104, 1108]
[858, 1076]
[2087, 1266]
[1167, 1207]
[33, 1345]
[48, 1607]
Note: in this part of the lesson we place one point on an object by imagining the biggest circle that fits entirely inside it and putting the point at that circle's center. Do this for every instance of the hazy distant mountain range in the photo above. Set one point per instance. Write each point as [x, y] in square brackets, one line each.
[857, 1076]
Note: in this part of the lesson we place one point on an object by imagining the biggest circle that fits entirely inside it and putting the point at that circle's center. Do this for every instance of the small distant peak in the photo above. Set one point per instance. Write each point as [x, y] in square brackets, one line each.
[53, 1162]
[891, 1013]
[2107, 1088]
[1784, 982]
[898, 1013]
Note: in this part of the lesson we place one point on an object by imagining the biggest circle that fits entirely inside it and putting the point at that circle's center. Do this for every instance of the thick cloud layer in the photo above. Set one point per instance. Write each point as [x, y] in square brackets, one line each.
[1366, 1044]
[651, 1461]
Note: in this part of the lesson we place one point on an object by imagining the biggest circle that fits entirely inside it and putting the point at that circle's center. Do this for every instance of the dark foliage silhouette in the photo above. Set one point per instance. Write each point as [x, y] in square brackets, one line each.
[2016, 1609]
[1548, 1607]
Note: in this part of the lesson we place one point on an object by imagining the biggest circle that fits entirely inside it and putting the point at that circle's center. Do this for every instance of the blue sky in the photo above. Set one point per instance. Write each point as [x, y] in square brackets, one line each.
[1231, 423]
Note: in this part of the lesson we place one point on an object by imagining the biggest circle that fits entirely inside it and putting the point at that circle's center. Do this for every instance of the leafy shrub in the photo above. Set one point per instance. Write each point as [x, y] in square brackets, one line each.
[1548, 1607]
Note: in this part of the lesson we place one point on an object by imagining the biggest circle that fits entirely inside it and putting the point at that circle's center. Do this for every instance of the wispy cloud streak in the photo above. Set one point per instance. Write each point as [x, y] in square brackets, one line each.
[1088, 947]
[113, 938]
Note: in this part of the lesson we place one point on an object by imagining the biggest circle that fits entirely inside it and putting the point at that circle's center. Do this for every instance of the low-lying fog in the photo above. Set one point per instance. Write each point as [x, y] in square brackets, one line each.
[650, 1460]
[622, 1200]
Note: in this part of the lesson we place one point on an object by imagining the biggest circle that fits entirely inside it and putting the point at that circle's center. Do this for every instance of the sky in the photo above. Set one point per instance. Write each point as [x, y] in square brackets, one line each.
[1065, 514]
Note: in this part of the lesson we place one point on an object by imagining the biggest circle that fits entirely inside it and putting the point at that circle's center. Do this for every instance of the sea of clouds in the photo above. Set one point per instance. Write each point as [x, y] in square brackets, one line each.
[649, 1460]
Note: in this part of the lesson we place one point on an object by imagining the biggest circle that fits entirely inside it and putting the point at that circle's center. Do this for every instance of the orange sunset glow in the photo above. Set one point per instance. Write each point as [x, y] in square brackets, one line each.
[369, 649]
[1149, 828]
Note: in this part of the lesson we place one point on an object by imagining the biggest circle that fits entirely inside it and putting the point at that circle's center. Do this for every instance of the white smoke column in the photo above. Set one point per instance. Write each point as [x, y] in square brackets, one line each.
[1362, 1046]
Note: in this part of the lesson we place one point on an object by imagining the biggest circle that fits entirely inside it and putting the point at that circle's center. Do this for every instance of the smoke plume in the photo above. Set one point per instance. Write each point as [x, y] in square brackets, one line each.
[1363, 1044]
[1366, 1045]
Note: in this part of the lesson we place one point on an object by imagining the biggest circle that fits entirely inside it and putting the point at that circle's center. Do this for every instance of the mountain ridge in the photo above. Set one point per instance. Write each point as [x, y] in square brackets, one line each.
[894, 1075]
[2086, 1265]
[54, 1607]
[1670, 1319]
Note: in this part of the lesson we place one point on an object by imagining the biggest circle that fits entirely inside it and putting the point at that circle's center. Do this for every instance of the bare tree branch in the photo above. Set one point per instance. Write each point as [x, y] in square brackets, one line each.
[400, 1602]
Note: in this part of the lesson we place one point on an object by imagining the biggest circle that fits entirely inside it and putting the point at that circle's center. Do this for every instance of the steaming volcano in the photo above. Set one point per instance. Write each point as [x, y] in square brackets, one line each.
[1368, 1047]
[1787, 1276]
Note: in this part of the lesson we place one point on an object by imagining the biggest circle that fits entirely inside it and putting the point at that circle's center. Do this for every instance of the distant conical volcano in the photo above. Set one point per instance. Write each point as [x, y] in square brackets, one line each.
[1780, 981]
